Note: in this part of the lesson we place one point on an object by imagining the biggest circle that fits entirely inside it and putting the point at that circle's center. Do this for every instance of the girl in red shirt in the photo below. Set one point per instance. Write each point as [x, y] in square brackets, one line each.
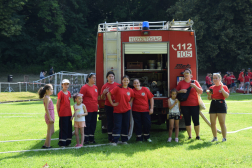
[123, 97]
[90, 99]
[190, 107]
[218, 107]
[108, 107]
[141, 111]
[65, 114]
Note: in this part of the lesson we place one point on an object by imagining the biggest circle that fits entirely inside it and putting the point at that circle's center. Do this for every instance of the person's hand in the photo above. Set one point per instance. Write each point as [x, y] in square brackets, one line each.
[192, 85]
[51, 120]
[176, 101]
[115, 104]
[151, 111]
[221, 87]
[106, 90]
[183, 91]
[71, 118]
[78, 115]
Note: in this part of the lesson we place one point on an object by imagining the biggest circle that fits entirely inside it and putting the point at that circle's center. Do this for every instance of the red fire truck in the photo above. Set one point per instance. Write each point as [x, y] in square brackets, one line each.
[154, 52]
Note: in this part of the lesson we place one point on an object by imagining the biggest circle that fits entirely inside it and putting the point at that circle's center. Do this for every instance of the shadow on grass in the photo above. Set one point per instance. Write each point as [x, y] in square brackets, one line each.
[159, 136]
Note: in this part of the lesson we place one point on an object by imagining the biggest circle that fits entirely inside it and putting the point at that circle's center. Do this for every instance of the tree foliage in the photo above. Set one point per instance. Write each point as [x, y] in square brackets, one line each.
[223, 29]
[35, 35]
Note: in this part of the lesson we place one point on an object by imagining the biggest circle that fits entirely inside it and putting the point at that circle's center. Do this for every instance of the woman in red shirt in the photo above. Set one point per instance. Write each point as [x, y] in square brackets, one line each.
[90, 100]
[190, 107]
[218, 107]
[141, 111]
[123, 97]
[108, 107]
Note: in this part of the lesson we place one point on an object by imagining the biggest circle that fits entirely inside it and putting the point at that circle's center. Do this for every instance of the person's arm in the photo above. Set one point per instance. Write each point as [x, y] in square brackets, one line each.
[104, 92]
[46, 100]
[198, 88]
[151, 105]
[224, 93]
[73, 114]
[172, 105]
[85, 110]
[110, 100]
[58, 105]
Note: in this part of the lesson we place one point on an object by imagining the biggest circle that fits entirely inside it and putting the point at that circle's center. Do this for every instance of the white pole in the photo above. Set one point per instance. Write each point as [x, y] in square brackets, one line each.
[26, 86]
[19, 87]
[55, 84]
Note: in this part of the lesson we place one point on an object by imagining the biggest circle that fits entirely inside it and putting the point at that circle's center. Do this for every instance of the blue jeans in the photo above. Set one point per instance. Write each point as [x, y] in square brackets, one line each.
[121, 126]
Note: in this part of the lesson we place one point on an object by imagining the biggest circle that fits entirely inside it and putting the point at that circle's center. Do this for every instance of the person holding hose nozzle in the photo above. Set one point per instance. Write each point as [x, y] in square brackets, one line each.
[190, 107]
[218, 108]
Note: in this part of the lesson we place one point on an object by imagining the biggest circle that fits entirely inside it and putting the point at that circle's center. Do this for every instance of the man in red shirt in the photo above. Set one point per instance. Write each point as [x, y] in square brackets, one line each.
[249, 73]
[247, 83]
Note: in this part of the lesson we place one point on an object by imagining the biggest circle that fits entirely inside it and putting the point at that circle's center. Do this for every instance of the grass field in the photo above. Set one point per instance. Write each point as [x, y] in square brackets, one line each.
[25, 120]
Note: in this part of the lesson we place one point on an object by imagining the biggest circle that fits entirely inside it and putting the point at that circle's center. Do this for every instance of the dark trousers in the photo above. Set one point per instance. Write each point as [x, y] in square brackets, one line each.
[89, 130]
[190, 112]
[121, 126]
[110, 121]
[142, 119]
[65, 131]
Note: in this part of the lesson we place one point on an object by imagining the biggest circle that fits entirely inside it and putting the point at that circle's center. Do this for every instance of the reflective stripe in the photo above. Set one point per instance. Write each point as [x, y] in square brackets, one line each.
[124, 135]
[146, 134]
[91, 135]
[109, 132]
[62, 140]
[115, 134]
[139, 135]
[86, 136]
[68, 139]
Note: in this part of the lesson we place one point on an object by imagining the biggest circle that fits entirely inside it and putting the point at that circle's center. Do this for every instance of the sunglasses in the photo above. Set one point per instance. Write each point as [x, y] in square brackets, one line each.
[91, 74]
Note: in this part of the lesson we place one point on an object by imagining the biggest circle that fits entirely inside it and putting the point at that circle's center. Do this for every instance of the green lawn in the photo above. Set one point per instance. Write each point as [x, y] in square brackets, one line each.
[25, 120]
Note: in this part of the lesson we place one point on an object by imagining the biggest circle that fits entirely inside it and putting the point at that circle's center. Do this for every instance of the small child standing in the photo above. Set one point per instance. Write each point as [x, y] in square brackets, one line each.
[80, 112]
[45, 93]
[174, 108]
[65, 114]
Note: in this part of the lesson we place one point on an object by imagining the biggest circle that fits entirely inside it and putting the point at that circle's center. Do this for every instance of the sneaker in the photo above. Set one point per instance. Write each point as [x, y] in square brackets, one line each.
[149, 140]
[214, 139]
[113, 144]
[45, 147]
[198, 137]
[80, 145]
[189, 138]
[77, 145]
[169, 139]
[124, 143]
[176, 140]
[224, 140]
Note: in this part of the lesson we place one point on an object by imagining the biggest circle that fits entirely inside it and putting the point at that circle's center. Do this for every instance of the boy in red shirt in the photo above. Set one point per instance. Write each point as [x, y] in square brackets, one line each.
[65, 114]
[208, 80]
[249, 73]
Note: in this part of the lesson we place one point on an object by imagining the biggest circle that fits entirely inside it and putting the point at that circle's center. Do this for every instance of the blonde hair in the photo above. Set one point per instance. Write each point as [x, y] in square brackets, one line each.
[218, 75]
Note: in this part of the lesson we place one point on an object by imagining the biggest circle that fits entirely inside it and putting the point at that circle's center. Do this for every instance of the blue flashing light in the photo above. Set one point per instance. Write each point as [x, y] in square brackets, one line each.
[146, 25]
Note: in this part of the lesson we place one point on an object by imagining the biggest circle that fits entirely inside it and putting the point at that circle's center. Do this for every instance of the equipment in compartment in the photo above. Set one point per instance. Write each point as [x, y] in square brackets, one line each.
[152, 64]
[134, 65]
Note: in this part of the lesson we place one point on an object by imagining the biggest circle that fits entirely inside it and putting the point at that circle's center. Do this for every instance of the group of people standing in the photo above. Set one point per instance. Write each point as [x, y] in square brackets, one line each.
[244, 80]
[119, 100]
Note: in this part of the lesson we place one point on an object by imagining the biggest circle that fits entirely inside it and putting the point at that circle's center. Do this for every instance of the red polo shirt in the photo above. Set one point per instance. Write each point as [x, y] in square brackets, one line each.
[141, 99]
[110, 87]
[216, 94]
[90, 97]
[192, 99]
[122, 96]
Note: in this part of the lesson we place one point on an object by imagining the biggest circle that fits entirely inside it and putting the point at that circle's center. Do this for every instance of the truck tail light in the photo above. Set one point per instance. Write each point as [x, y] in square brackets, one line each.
[192, 33]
